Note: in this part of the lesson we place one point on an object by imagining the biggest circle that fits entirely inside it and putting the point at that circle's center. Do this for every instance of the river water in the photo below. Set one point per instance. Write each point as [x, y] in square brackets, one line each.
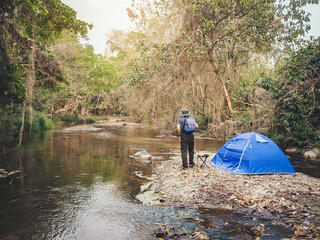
[83, 185]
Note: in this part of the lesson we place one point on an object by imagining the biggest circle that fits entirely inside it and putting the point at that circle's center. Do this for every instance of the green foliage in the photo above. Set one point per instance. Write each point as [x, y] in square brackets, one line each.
[12, 75]
[254, 23]
[297, 113]
[220, 18]
[149, 122]
[31, 26]
[10, 122]
[203, 121]
[226, 35]
[25, 21]
[244, 88]
[51, 18]
[152, 60]
[246, 117]
[267, 83]
[41, 123]
[90, 77]
[69, 118]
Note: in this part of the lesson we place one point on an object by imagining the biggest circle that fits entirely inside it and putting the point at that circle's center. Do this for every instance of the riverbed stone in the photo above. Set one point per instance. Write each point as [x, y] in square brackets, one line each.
[143, 155]
[292, 150]
[312, 154]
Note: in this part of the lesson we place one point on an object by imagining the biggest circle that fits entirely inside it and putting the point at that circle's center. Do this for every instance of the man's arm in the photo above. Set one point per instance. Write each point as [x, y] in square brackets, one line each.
[179, 129]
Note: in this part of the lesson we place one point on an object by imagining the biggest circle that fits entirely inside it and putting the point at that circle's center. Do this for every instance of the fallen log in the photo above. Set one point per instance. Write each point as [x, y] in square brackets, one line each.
[5, 174]
[67, 107]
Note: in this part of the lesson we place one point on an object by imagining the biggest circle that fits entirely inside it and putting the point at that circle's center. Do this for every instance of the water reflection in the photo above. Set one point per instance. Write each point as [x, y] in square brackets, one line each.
[77, 185]
[98, 212]
[306, 166]
[82, 185]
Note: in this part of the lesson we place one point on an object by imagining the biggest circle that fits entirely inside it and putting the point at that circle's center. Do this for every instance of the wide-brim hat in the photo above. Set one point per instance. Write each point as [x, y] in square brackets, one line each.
[185, 112]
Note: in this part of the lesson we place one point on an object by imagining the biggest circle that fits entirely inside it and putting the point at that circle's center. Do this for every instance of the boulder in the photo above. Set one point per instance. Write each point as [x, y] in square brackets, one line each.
[312, 154]
[292, 150]
[143, 155]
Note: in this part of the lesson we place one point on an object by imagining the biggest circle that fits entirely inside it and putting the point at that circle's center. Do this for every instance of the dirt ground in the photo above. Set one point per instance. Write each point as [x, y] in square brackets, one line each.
[293, 198]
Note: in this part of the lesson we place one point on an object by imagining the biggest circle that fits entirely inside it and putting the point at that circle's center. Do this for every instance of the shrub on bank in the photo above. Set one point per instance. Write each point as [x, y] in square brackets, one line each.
[41, 123]
[9, 123]
[297, 95]
[11, 120]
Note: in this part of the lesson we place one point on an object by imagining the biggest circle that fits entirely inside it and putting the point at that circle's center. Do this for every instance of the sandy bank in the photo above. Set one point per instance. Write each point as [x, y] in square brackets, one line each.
[117, 122]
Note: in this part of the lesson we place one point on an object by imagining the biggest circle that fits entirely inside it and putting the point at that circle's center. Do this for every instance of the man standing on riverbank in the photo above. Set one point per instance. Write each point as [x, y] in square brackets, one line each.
[186, 138]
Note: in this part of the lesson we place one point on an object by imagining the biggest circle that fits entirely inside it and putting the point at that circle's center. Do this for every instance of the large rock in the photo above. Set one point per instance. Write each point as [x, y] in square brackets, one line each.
[312, 154]
[143, 155]
[292, 150]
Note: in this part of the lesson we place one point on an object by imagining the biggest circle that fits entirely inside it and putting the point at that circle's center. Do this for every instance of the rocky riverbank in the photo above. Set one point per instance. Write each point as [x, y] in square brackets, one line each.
[313, 154]
[294, 199]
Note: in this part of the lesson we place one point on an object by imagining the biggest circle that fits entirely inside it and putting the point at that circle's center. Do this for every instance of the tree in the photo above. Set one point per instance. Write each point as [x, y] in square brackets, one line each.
[28, 28]
[229, 27]
[90, 78]
[212, 53]
[297, 94]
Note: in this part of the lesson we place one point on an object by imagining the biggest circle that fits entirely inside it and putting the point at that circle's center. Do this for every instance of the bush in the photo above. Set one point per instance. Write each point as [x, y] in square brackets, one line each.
[69, 118]
[80, 120]
[10, 122]
[41, 123]
[203, 121]
[297, 94]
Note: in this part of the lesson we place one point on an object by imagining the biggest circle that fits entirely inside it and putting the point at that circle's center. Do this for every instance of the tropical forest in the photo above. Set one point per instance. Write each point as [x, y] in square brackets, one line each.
[238, 66]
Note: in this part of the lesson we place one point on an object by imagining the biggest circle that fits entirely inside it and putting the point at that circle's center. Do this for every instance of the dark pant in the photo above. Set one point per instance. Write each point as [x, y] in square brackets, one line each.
[187, 144]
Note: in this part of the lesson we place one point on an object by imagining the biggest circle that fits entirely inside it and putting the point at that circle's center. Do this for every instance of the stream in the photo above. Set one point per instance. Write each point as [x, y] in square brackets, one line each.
[83, 185]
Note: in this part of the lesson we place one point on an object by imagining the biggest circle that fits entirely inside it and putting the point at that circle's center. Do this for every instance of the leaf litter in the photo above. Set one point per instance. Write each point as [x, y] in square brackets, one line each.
[294, 199]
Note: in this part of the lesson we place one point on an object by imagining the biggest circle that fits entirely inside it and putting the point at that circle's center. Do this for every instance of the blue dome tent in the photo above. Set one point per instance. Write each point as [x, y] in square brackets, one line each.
[252, 153]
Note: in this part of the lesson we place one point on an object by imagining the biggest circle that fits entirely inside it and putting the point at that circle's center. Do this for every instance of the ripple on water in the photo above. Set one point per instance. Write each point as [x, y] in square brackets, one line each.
[84, 187]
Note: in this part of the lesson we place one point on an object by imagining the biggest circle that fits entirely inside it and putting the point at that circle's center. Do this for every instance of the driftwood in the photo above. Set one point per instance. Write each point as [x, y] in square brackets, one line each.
[4, 173]
[67, 107]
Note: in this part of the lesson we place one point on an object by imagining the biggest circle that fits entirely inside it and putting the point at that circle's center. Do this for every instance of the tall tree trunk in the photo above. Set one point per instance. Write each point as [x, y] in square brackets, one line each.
[254, 115]
[31, 74]
[30, 83]
[221, 80]
[29, 86]
[22, 124]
